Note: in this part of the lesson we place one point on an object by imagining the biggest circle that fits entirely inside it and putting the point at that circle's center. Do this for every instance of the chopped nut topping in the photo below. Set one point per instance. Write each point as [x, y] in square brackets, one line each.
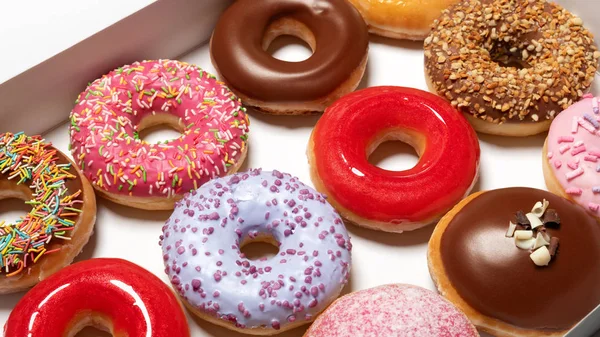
[510, 60]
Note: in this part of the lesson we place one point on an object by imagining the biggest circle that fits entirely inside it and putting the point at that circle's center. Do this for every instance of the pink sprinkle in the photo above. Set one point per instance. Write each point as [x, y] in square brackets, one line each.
[565, 139]
[586, 125]
[550, 155]
[591, 158]
[574, 174]
[578, 150]
[573, 165]
[574, 125]
[557, 163]
[593, 206]
[588, 95]
[564, 149]
[574, 191]
[578, 143]
[594, 153]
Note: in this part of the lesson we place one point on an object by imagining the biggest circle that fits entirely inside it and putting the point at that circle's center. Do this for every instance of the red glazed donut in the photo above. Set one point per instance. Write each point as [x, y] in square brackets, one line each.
[394, 201]
[110, 294]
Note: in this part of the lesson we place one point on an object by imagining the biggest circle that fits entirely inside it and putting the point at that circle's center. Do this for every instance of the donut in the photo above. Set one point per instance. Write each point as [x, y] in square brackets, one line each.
[62, 215]
[510, 65]
[570, 155]
[333, 29]
[393, 201]
[516, 272]
[110, 113]
[201, 245]
[407, 19]
[110, 294]
[393, 310]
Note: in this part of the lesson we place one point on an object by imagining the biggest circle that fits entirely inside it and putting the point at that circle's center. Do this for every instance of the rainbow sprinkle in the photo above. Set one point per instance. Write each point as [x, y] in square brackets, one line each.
[54, 211]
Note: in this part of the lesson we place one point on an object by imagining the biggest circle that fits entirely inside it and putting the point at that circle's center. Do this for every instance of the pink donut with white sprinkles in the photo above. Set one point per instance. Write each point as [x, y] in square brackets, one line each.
[393, 310]
[201, 244]
[110, 113]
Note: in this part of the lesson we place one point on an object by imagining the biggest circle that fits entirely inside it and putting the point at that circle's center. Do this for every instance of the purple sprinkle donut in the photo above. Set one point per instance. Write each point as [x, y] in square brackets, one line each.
[201, 250]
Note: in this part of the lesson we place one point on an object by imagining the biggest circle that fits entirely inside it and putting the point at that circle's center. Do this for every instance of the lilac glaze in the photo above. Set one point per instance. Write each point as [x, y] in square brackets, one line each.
[201, 250]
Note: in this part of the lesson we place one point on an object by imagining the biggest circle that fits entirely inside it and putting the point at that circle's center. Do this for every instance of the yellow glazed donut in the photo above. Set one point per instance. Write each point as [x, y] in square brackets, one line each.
[401, 19]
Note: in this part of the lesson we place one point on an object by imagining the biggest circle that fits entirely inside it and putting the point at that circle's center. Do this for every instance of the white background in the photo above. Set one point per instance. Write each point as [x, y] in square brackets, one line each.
[280, 143]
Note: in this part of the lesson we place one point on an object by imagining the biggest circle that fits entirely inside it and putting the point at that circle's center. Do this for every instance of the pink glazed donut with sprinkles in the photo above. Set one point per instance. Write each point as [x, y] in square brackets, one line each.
[393, 310]
[201, 244]
[572, 155]
[110, 113]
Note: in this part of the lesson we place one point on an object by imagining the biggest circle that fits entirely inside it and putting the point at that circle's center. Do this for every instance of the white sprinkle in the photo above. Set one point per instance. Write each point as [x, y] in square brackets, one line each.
[574, 174]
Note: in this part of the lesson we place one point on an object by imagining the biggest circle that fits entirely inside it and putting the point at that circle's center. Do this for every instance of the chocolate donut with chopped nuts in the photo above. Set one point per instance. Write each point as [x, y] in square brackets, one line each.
[510, 65]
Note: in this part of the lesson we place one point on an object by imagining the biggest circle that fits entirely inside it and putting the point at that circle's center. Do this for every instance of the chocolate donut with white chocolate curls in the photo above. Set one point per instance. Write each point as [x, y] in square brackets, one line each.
[518, 261]
[510, 65]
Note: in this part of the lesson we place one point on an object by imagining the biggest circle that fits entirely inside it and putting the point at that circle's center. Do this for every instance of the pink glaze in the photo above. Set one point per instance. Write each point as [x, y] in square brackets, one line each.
[105, 121]
[394, 310]
[137, 303]
[579, 149]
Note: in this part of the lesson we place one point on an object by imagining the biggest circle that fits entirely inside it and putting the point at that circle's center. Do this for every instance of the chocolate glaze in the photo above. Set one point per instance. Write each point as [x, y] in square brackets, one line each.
[74, 184]
[500, 280]
[237, 52]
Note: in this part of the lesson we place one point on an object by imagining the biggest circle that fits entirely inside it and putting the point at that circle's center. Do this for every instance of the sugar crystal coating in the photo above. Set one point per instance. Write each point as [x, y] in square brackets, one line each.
[394, 310]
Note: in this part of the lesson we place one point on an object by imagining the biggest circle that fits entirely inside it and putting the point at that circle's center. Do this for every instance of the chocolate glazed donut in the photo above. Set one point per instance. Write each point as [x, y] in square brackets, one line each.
[496, 284]
[333, 29]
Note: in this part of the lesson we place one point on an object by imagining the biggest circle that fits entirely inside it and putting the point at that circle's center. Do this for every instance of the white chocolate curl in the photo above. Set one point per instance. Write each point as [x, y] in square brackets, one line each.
[523, 235]
[539, 208]
[546, 236]
[526, 244]
[540, 241]
[534, 220]
[541, 257]
[511, 229]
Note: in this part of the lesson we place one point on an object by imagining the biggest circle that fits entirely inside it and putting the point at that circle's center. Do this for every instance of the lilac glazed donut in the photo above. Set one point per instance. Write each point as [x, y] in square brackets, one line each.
[201, 244]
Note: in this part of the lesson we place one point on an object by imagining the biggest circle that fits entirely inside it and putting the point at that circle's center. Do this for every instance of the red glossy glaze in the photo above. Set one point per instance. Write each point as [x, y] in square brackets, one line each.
[136, 302]
[443, 175]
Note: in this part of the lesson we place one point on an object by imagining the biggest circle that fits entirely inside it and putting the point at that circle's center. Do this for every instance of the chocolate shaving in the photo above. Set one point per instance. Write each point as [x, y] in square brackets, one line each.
[521, 219]
[551, 218]
[520, 228]
[553, 246]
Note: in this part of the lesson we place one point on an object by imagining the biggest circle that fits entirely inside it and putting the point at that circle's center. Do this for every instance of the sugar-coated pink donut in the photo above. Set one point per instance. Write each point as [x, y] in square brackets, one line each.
[112, 110]
[393, 310]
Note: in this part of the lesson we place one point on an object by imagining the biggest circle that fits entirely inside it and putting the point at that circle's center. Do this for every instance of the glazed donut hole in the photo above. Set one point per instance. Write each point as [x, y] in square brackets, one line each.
[286, 34]
[12, 203]
[396, 150]
[92, 326]
[509, 55]
[264, 246]
[94, 330]
[160, 128]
